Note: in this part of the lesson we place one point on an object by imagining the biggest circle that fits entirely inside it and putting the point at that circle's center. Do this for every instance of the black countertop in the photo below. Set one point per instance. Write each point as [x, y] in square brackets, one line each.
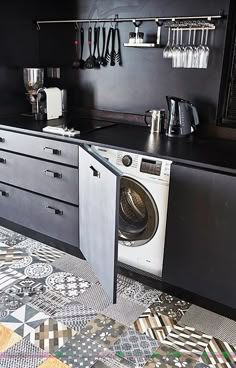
[215, 154]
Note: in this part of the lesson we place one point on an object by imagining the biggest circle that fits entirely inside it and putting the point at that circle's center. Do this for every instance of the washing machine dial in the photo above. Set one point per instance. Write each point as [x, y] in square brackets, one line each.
[127, 160]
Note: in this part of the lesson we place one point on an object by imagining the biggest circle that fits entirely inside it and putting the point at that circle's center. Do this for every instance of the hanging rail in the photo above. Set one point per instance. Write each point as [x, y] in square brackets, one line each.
[134, 20]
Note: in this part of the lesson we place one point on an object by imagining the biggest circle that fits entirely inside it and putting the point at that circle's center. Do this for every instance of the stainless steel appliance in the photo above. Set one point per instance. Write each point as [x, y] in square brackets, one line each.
[33, 80]
[183, 117]
[157, 120]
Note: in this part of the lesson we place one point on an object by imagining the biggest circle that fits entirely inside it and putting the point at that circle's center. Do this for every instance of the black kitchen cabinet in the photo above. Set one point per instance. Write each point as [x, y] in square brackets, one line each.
[201, 234]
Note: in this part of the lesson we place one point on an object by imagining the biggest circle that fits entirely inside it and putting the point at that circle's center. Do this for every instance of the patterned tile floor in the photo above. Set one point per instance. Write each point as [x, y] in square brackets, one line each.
[55, 314]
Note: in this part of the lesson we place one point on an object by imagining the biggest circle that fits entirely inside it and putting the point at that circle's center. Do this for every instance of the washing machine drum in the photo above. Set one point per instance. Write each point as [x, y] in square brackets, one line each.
[138, 219]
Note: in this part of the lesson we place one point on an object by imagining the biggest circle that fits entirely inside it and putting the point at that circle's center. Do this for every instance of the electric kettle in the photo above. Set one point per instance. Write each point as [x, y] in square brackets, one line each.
[183, 117]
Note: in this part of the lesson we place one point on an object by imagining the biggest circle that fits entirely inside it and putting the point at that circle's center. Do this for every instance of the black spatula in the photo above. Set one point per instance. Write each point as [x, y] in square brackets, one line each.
[89, 63]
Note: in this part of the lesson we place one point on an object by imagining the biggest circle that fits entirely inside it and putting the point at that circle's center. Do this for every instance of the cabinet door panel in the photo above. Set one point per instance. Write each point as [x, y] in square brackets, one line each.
[99, 188]
[201, 234]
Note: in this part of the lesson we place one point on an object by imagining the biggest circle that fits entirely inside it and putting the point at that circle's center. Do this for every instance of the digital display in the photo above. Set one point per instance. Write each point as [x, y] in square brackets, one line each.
[151, 167]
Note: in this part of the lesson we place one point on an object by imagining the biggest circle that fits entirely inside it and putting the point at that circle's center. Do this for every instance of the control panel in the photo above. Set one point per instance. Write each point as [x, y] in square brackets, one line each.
[137, 165]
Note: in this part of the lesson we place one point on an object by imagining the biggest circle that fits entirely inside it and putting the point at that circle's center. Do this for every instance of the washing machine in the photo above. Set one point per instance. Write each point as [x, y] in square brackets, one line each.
[144, 190]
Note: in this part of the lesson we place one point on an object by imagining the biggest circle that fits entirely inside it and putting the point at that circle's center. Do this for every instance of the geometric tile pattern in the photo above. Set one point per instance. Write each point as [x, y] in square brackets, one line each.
[67, 284]
[49, 302]
[80, 352]
[123, 283]
[113, 361]
[219, 353]
[9, 256]
[24, 320]
[26, 290]
[52, 363]
[154, 325]
[135, 347]
[75, 315]
[211, 323]
[50, 335]
[8, 303]
[141, 294]
[77, 266]
[187, 340]
[22, 355]
[165, 357]
[39, 270]
[9, 277]
[104, 330]
[9, 237]
[7, 338]
[43, 252]
[124, 311]
[171, 306]
[95, 298]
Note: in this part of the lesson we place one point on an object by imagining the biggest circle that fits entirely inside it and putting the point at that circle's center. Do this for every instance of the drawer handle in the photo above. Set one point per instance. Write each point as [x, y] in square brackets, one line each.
[3, 193]
[3, 160]
[95, 172]
[2, 140]
[53, 174]
[55, 211]
[53, 151]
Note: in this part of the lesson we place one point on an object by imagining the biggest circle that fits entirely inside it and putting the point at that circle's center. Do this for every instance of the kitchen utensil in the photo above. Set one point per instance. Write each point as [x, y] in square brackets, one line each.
[157, 123]
[107, 53]
[103, 59]
[96, 63]
[183, 117]
[76, 62]
[99, 59]
[89, 63]
[118, 53]
[81, 61]
[113, 51]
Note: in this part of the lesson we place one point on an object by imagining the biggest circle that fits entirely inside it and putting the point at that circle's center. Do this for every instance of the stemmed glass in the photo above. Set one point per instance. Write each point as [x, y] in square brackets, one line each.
[167, 53]
[195, 63]
[188, 52]
[201, 51]
[177, 52]
[207, 52]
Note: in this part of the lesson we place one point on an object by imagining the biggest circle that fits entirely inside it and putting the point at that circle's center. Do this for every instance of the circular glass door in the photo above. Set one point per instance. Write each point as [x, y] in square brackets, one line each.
[138, 218]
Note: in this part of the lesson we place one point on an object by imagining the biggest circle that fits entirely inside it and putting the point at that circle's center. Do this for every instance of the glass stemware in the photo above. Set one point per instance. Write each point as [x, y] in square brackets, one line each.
[176, 58]
[188, 52]
[195, 63]
[201, 51]
[167, 53]
[207, 52]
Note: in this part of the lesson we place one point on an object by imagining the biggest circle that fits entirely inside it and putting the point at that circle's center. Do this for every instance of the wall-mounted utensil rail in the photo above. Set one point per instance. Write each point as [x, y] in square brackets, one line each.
[134, 20]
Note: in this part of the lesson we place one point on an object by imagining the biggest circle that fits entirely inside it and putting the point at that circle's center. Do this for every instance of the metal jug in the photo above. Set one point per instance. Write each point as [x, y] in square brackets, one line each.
[157, 123]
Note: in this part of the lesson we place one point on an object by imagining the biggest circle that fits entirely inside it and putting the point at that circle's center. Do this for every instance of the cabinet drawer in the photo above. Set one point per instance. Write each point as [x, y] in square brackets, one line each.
[47, 216]
[48, 149]
[53, 180]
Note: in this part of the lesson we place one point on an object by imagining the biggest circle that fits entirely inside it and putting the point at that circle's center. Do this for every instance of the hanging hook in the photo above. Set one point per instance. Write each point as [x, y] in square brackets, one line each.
[37, 26]
[76, 26]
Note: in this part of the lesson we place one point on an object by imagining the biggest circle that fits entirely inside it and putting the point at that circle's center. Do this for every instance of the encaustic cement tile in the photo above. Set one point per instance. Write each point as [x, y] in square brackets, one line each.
[113, 361]
[67, 284]
[81, 352]
[22, 354]
[9, 237]
[103, 329]
[154, 324]
[8, 304]
[8, 277]
[166, 357]
[140, 294]
[7, 338]
[49, 302]
[219, 353]
[26, 290]
[187, 340]
[50, 335]
[24, 320]
[53, 363]
[75, 315]
[9, 256]
[170, 306]
[135, 347]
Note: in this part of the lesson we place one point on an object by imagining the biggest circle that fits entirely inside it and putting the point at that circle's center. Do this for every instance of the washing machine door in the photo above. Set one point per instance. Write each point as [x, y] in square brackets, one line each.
[138, 213]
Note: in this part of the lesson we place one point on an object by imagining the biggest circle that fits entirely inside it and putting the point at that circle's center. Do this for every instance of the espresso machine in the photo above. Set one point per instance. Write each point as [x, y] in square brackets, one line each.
[49, 103]
[33, 80]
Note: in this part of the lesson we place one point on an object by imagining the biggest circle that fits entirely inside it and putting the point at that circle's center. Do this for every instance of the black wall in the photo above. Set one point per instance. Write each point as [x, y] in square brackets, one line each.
[145, 78]
[140, 84]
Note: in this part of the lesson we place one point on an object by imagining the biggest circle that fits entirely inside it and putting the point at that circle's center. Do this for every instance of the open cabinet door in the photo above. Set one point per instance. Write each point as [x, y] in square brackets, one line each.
[99, 192]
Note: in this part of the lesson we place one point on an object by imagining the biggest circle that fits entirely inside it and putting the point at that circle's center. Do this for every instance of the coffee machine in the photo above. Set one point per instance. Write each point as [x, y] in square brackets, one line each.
[33, 80]
[183, 117]
[49, 103]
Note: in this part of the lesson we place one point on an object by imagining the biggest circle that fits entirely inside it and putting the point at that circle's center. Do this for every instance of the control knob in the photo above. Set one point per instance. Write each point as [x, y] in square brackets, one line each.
[127, 160]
